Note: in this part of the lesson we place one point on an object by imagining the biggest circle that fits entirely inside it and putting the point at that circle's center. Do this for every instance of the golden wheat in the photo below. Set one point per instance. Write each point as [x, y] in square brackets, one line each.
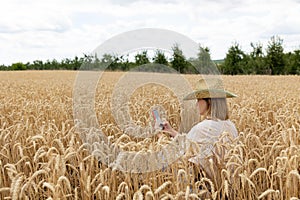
[44, 156]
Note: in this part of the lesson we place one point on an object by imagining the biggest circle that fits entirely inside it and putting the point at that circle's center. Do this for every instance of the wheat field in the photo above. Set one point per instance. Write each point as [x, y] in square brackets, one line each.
[43, 156]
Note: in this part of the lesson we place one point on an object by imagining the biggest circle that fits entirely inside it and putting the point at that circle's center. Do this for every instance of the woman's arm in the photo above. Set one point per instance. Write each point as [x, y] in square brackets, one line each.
[168, 128]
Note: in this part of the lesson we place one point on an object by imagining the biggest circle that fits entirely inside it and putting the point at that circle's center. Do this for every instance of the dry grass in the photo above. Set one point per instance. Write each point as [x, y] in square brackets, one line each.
[42, 155]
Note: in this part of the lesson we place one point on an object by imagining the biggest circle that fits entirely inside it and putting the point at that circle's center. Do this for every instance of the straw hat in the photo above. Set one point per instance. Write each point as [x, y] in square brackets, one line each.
[209, 88]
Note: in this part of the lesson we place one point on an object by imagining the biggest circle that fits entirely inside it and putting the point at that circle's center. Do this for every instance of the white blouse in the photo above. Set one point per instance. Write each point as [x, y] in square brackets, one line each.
[206, 133]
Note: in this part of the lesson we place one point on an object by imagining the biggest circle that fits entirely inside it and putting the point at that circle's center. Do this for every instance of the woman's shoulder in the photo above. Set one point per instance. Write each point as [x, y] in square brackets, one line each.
[212, 128]
[209, 122]
[206, 125]
[217, 125]
[217, 121]
[203, 123]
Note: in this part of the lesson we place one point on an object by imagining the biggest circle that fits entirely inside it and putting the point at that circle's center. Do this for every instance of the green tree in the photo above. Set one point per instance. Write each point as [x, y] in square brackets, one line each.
[4, 68]
[294, 62]
[256, 64]
[96, 62]
[116, 64]
[18, 66]
[87, 62]
[77, 62]
[107, 58]
[124, 63]
[37, 65]
[47, 65]
[275, 56]
[55, 64]
[178, 61]
[160, 58]
[141, 58]
[234, 60]
[203, 64]
[108, 61]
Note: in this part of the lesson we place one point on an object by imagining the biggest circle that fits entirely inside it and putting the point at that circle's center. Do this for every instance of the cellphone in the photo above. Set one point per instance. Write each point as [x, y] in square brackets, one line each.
[158, 119]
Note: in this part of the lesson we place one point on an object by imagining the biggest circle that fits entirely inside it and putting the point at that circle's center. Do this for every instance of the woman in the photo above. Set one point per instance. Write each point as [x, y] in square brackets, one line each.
[211, 101]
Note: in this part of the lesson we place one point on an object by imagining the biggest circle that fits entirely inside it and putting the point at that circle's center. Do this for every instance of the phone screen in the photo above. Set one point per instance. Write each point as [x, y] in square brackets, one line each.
[157, 118]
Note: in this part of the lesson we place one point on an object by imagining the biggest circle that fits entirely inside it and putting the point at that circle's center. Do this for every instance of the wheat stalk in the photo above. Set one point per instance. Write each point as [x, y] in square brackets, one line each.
[43, 154]
[267, 192]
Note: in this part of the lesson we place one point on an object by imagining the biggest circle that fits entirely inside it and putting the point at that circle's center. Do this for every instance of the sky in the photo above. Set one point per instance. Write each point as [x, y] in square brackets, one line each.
[56, 29]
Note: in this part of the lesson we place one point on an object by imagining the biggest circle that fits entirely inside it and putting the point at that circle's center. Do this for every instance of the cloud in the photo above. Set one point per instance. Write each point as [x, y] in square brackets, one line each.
[128, 2]
[57, 29]
[20, 17]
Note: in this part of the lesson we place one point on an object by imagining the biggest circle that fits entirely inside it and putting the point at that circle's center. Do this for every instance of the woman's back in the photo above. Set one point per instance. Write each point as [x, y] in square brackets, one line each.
[206, 133]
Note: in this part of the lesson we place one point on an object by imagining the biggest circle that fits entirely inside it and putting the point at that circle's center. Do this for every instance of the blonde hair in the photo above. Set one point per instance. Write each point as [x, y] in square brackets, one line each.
[217, 108]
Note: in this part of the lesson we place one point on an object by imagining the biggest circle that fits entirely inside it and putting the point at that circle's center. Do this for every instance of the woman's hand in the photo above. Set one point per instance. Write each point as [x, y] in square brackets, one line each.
[168, 128]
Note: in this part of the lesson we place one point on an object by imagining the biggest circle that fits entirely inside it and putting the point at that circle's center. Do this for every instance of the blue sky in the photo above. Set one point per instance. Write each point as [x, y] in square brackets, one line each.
[47, 29]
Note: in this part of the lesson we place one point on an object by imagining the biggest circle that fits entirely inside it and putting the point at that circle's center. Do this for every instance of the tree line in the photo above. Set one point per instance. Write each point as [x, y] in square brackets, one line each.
[273, 62]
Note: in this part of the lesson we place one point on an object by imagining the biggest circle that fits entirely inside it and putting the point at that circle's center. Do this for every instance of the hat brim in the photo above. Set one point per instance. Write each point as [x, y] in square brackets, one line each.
[199, 94]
